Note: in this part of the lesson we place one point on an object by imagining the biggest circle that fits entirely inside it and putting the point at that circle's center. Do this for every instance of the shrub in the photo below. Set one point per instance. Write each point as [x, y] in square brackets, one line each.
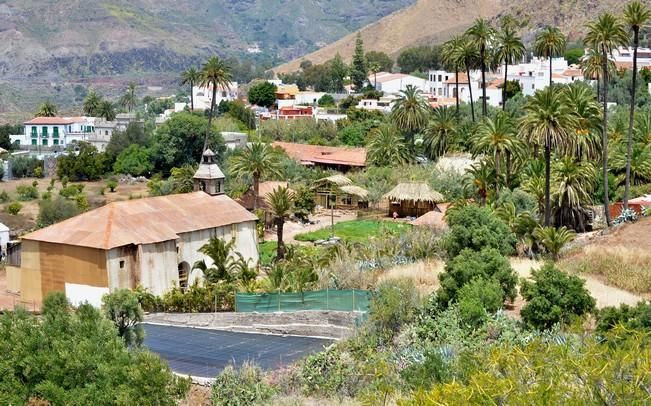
[112, 184]
[554, 297]
[488, 264]
[38, 172]
[52, 211]
[394, 304]
[13, 208]
[70, 191]
[242, 386]
[328, 373]
[553, 239]
[82, 202]
[423, 375]
[632, 317]
[148, 301]
[46, 195]
[199, 299]
[124, 310]
[4, 197]
[24, 166]
[475, 228]
[26, 192]
[479, 298]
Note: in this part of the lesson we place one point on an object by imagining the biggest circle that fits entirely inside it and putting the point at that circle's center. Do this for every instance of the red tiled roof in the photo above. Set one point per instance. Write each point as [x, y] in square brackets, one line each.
[463, 79]
[49, 121]
[311, 154]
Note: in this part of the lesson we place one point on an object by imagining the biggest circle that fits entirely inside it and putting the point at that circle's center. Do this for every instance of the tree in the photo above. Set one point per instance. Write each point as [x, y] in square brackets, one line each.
[326, 101]
[573, 184]
[419, 59]
[257, 160]
[479, 298]
[636, 16]
[606, 34]
[47, 109]
[359, 68]
[338, 70]
[51, 211]
[123, 309]
[38, 368]
[440, 133]
[280, 202]
[483, 34]
[584, 141]
[410, 112]
[225, 260]
[91, 103]
[466, 54]
[554, 297]
[509, 50]
[547, 121]
[87, 164]
[263, 94]
[386, 147]
[550, 42]
[592, 66]
[382, 60]
[130, 98]
[182, 178]
[553, 239]
[191, 77]
[106, 110]
[135, 160]
[214, 73]
[121, 140]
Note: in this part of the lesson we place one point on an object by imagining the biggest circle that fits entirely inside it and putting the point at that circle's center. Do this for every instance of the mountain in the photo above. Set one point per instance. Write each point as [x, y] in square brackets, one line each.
[49, 47]
[435, 21]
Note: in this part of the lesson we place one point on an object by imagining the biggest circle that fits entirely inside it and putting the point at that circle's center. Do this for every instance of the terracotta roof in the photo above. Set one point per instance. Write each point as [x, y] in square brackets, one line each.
[144, 221]
[264, 188]
[291, 90]
[463, 79]
[624, 65]
[49, 120]
[311, 154]
[573, 72]
[495, 84]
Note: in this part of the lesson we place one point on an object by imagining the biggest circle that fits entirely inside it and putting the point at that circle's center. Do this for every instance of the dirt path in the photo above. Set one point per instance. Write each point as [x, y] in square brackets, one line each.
[322, 220]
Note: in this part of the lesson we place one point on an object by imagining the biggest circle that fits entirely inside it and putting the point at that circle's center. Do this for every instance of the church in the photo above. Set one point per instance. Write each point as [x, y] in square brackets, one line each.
[151, 242]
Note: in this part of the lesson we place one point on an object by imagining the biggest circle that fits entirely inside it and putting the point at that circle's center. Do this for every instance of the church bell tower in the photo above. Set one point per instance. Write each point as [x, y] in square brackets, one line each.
[209, 178]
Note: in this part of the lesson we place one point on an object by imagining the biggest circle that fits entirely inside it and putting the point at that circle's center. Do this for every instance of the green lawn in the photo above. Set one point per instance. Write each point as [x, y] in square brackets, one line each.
[355, 230]
[267, 251]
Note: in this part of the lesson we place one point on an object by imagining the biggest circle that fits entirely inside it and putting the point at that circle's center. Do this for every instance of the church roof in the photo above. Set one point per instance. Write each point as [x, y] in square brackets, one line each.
[209, 171]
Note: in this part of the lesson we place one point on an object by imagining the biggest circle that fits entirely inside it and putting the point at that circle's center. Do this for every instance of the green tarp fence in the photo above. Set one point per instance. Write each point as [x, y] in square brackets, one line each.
[342, 300]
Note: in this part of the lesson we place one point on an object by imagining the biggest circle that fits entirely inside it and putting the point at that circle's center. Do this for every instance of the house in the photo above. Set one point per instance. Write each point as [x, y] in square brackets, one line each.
[292, 112]
[337, 191]
[264, 189]
[338, 158]
[383, 104]
[151, 242]
[286, 95]
[203, 95]
[394, 83]
[53, 132]
[234, 139]
[102, 135]
[122, 120]
[412, 199]
[623, 57]
[437, 82]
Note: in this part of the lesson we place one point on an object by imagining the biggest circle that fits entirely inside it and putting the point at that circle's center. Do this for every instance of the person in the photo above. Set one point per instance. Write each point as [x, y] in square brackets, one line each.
[395, 215]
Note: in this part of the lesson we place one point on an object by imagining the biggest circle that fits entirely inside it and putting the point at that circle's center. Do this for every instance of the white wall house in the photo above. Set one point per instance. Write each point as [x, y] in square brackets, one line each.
[384, 104]
[54, 131]
[437, 82]
[394, 83]
[623, 57]
[534, 75]
[203, 95]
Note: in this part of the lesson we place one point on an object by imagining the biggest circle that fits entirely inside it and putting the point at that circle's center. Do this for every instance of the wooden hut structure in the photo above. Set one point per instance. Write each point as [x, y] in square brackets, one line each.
[339, 191]
[413, 199]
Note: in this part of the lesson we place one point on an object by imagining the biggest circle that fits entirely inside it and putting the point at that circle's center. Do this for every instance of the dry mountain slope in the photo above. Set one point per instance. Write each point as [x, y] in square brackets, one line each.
[426, 20]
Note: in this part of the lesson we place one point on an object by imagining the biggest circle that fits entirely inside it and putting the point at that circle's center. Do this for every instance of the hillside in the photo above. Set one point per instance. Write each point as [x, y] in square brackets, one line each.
[434, 21]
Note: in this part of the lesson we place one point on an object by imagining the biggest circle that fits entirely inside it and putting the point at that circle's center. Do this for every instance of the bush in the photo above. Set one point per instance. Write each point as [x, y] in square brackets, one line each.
[26, 192]
[135, 160]
[326, 101]
[4, 197]
[53, 211]
[423, 375]
[479, 298]
[24, 166]
[242, 386]
[199, 299]
[112, 184]
[38, 172]
[554, 297]
[394, 304]
[70, 191]
[475, 228]
[488, 264]
[328, 373]
[13, 208]
[124, 310]
[631, 317]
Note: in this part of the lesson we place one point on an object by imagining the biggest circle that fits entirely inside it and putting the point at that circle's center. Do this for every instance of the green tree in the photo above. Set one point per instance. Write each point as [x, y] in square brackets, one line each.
[214, 73]
[547, 121]
[419, 59]
[359, 68]
[87, 164]
[281, 202]
[584, 141]
[554, 297]
[478, 299]
[190, 77]
[225, 260]
[51, 211]
[124, 310]
[606, 34]
[263, 94]
[135, 160]
[386, 147]
[381, 59]
[509, 50]
[473, 227]
[182, 178]
[550, 42]
[410, 112]
[106, 110]
[130, 98]
[91, 103]
[326, 101]
[47, 109]
[451, 57]
[242, 386]
[573, 186]
[440, 134]
[553, 239]
[121, 140]
[257, 160]
[636, 16]
[483, 34]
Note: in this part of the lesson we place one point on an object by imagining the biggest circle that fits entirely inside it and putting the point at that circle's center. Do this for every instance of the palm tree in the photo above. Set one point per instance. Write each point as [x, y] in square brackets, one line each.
[106, 110]
[554, 239]
[550, 42]
[636, 15]
[130, 99]
[214, 73]
[440, 132]
[280, 202]
[547, 121]
[386, 147]
[584, 142]
[482, 33]
[47, 109]
[374, 68]
[224, 263]
[637, 161]
[190, 76]
[479, 178]
[410, 112]
[91, 103]
[606, 34]
[592, 64]
[450, 56]
[573, 184]
[496, 136]
[509, 49]
[467, 55]
[256, 160]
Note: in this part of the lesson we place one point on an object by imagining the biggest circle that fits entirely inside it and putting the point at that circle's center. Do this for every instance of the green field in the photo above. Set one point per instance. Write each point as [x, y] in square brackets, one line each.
[356, 230]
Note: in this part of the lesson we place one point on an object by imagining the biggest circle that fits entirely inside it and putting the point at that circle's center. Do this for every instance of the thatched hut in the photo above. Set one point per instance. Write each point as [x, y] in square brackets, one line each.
[412, 199]
[339, 191]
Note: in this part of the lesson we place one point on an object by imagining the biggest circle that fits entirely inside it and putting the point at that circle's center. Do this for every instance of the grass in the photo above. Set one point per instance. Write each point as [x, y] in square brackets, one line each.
[425, 274]
[267, 251]
[355, 230]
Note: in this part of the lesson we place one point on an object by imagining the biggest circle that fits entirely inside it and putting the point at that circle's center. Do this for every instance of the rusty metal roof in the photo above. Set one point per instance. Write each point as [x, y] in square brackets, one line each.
[144, 221]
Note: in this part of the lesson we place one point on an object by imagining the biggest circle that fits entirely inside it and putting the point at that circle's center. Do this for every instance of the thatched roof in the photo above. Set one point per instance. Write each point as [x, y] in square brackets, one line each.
[355, 191]
[417, 192]
[339, 180]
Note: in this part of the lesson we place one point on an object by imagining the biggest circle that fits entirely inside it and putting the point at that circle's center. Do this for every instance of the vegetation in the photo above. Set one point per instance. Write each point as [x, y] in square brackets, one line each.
[262, 94]
[52, 211]
[355, 230]
[123, 309]
[13, 208]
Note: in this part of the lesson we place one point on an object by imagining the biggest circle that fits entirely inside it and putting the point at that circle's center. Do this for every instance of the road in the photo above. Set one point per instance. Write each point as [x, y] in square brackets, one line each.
[204, 353]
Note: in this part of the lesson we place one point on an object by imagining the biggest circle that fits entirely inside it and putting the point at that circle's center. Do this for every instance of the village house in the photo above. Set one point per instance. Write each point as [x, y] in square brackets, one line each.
[203, 95]
[338, 191]
[151, 242]
[412, 199]
[338, 158]
[394, 83]
[623, 58]
[53, 132]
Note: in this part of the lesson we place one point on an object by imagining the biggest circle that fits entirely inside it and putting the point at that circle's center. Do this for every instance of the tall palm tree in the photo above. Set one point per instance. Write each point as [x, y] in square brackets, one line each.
[91, 103]
[606, 34]
[440, 132]
[47, 109]
[410, 112]
[496, 136]
[482, 33]
[592, 64]
[191, 77]
[509, 49]
[374, 68]
[550, 42]
[637, 161]
[450, 56]
[280, 202]
[256, 160]
[547, 121]
[479, 178]
[573, 184]
[386, 147]
[214, 73]
[106, 110]
[130, 98]
[584, 141]
[636, 15]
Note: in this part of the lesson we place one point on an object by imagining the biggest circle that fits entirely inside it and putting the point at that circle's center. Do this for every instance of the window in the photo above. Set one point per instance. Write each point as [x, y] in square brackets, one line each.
[44, 141]
[55, 142]
[34, 141]
[44, 131]
[121, 264]
[106, 132]
[234, 231]
[533, 86]
[55, 132]
[439, 78]
[34, 132]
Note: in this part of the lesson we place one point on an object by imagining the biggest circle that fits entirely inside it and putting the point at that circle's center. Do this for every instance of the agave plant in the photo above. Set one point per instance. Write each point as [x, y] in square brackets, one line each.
[553, 239]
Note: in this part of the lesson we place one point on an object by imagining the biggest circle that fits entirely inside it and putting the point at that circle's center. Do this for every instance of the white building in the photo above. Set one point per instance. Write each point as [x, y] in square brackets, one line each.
[534, 75]
[383, 104]
[46, 132]
[623, 57]
[203, 95]
[437, 82]
[4, 237]
[103, 133]
[234, 139]
[394, 83]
